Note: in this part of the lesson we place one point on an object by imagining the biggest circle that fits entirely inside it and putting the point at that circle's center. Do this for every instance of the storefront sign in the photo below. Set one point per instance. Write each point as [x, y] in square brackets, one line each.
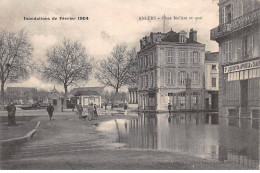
[242, 66]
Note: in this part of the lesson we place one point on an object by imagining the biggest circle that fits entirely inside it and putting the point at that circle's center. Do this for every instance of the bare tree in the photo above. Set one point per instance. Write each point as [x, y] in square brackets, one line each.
[114, 71]
[15, 58]
[67, 64]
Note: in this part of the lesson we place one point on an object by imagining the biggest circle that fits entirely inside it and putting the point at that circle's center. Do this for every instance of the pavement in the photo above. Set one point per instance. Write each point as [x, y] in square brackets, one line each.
[67, 142]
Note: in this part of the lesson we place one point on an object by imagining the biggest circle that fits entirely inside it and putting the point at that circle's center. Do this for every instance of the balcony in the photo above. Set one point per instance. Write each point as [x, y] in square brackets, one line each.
[241, 22]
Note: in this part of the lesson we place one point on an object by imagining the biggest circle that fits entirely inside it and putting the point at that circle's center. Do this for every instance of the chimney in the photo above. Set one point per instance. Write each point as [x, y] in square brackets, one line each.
[193, 35]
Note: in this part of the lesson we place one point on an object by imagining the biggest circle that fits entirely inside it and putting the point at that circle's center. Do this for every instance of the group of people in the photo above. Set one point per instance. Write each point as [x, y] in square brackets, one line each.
[91, 111]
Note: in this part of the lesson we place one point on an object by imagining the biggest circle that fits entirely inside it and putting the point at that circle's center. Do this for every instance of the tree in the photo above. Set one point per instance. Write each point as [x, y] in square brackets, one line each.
[67, 64]
[114, 71]
[15, 58]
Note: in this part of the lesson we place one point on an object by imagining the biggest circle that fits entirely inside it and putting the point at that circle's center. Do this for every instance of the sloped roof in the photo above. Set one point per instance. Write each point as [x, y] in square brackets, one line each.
[86, 93]
[97, 89]
[214, 56]
[20, 89]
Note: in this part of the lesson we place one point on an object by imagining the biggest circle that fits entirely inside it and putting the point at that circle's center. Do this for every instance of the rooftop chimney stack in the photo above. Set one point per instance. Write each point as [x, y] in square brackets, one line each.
[193, 35]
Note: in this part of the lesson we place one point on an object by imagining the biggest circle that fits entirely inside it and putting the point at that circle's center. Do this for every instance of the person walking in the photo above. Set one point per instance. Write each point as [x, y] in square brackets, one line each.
[80, 110]
[50, 110]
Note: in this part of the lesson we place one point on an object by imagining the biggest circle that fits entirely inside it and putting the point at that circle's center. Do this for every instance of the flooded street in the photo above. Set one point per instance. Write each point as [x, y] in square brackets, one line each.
[205, 135]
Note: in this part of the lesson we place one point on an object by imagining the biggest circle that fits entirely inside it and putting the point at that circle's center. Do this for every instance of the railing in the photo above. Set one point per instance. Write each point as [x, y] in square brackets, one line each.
[236, 24]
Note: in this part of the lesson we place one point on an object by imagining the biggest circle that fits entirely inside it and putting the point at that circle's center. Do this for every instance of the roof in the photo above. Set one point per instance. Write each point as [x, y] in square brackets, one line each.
[20, 89]
[86, 93]
[97, 89]
[214, 56]
[172, 36]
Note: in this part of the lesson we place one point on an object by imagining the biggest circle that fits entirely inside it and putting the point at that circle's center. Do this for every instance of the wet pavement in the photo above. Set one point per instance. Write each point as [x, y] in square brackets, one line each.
[205, 135]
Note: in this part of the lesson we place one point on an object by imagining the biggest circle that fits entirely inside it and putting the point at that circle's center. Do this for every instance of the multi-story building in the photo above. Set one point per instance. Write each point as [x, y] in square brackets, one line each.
[170, 63]
[211, 80]
[239, 49]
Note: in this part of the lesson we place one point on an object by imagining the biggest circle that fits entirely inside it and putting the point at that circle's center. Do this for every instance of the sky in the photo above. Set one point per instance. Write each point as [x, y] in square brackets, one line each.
[110, 23]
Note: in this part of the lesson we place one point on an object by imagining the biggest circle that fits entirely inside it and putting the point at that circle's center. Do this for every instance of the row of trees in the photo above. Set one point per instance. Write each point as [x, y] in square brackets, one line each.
[66, 63]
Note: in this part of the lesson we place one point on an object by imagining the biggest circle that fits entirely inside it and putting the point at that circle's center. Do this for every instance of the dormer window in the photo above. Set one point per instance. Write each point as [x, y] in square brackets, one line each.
[183, 39]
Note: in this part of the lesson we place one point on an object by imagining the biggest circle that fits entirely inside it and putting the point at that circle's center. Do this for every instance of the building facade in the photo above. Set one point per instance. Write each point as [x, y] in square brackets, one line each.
[21, 95]
[169, 63]
[87, 98]
[211, 80]
[239, 50]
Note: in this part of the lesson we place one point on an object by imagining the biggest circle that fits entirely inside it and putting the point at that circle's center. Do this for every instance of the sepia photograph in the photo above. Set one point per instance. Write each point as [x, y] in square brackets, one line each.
[130, 85]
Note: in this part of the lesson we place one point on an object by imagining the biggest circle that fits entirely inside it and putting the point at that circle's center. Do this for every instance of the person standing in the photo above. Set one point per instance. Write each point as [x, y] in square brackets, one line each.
[50, 110]
[11, 109]
[80, 110]
[95, 112]
[125, 108]
[169, 107]
[106, 106]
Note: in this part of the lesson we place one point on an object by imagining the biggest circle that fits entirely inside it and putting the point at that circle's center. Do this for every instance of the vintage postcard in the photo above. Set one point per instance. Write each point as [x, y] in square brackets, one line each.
[129, 85]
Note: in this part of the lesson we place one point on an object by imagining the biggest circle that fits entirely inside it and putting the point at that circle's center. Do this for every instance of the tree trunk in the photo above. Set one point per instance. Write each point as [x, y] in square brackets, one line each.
[2, 96]
[115, 96]
[65, 97]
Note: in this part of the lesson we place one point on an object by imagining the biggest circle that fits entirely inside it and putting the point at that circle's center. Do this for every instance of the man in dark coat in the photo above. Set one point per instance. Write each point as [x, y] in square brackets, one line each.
[169, 107]
[80, 110]
[11, 109]
[50, 110]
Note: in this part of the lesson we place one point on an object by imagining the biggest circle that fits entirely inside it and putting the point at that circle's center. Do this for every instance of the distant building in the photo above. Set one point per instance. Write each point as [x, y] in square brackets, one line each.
[211, 80]
[86, 98]
[239, 50]
[21, 95]
[56, 100]
[88, 95]
[169, 64]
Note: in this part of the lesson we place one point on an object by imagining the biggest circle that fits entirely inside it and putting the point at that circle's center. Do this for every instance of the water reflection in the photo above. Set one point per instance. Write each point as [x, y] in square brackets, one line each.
[202, 134]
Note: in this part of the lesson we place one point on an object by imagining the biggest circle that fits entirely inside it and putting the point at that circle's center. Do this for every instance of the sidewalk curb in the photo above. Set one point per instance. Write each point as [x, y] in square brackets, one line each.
[20, 140]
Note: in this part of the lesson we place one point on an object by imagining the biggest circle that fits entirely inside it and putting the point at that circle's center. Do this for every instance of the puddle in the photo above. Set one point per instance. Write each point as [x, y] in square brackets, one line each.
[202, 135]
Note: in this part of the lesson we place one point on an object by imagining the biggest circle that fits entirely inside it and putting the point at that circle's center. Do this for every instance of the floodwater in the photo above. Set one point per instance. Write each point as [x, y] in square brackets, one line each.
[200, 134]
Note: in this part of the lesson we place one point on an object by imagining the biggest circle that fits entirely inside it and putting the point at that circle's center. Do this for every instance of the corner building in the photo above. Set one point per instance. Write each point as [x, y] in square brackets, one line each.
[238, 35]
[167, 63]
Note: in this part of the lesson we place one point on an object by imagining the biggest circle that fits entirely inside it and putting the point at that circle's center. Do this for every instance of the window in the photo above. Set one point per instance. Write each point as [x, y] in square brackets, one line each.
[195, 77]
[182, 56]
[182, 98]
[182, 77]
[152, 59]
[195, 98]
[169, 78]
[195, 58]
[147, 80]
[169, 56]
[214, 82]
[227, 13]
[146, 60]
[228, 51]
[239, 49]
[248, 46]
[152, 79]
[183, 39]
[214, 67]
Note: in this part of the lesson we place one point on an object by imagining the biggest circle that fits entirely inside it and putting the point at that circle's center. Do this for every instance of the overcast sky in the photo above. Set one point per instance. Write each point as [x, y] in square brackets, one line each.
[110, 22]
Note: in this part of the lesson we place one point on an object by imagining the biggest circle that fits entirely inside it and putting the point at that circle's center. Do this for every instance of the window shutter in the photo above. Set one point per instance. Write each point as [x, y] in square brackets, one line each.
[232, 10]
[224, 15]
[198, 57]
[179, 77]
